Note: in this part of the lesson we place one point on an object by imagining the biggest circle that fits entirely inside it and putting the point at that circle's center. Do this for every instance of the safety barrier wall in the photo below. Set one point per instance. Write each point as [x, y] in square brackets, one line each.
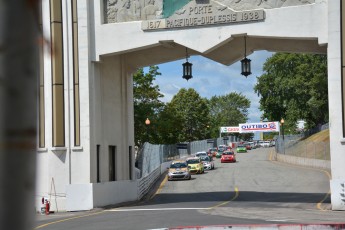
[145, 183]
[314, 163]
[88, 196]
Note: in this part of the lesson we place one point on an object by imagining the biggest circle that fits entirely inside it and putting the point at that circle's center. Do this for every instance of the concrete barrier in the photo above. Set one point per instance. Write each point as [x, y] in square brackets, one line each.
[309, 162]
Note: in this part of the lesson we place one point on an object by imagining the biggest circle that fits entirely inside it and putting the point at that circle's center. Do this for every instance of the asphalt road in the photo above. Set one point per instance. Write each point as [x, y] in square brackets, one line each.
[253, 191]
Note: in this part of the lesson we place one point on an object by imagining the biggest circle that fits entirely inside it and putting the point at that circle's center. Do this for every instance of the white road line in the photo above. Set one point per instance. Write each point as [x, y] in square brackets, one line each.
[153, 209]
[282, 220]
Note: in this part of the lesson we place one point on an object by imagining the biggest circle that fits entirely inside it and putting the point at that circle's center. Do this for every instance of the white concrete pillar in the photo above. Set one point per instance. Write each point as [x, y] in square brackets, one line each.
[337, 141]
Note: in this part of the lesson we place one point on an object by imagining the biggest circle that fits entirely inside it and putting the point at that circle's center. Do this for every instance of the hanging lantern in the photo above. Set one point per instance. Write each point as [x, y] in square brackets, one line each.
[187, 68]
[245, 63]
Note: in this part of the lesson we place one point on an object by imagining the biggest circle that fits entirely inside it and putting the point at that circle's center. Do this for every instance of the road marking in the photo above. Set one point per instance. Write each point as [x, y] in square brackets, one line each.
[282, 220]
[154, 209]
[67, 219]
[160, 187]
[318, 205]
[226, 202]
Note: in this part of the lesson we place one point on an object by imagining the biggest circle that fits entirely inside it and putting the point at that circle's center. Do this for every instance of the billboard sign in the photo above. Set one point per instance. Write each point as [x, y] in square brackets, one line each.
[231, 129]
[259, 127]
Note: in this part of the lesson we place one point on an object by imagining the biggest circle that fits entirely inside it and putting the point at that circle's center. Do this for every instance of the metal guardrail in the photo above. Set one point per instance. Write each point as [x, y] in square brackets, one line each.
[147, 182]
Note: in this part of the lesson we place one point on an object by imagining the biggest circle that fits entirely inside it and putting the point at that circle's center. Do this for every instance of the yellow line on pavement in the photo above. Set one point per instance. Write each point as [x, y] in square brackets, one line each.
[160, 187]
[67, 219]
[305, 167]
[226, 202]
[327, 195]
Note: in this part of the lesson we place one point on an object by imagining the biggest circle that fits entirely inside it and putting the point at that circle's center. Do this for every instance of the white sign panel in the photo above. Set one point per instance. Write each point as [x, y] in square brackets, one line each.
[259, 127]
[231, 129]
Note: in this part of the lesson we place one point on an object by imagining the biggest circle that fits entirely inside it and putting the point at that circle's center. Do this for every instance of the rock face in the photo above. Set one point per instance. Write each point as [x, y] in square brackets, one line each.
[138, 10]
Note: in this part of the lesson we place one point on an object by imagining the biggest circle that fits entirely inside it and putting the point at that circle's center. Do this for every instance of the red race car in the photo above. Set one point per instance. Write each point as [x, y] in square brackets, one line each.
[228, 156]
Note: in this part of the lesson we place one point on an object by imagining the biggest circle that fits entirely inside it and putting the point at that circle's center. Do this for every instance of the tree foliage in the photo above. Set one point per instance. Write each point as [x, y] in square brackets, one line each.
[293, 87]
[147, 102]
[228, 110]
[190, 115]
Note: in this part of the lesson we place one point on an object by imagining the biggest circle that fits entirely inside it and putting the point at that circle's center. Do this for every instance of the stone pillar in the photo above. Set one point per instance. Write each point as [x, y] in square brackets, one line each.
[336, 13]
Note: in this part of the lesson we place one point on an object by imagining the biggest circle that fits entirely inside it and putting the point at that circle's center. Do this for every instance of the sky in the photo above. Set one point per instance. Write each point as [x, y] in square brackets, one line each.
[211, 78]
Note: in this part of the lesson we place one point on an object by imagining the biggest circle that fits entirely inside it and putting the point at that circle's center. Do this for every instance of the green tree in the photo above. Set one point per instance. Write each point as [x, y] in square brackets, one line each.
[146, 104]
[169, 126]
[293, 87]
[228, 110]
[189, 114]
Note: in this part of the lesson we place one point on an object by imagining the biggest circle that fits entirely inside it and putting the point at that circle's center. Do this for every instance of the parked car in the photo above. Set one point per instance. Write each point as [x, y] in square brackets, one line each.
[179, 170]
[208, 162]
[261, 143]
[241, 149]
[228, 156]
[195, 165]
[267, 144]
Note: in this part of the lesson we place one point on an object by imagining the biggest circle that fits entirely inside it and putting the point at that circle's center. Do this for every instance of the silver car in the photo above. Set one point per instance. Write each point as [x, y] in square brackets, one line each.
[179, 170]
[201, 154]
[207, 162]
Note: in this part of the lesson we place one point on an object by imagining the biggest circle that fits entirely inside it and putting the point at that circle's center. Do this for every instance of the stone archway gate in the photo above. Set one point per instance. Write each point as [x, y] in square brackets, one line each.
[104, 42]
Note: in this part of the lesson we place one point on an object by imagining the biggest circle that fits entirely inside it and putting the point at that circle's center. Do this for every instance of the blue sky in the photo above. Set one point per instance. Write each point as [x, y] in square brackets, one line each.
[211, 78]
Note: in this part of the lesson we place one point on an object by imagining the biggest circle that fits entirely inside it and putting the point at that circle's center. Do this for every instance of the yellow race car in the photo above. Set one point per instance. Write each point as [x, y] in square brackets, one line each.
[195, 165]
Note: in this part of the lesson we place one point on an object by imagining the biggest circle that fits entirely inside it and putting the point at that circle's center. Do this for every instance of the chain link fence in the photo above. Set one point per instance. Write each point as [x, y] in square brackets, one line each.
[295, 145]
[306, 149]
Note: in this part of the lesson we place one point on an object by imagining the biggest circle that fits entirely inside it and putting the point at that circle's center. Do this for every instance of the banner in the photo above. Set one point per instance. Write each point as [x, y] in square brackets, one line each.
[259, 127]
[231, 129]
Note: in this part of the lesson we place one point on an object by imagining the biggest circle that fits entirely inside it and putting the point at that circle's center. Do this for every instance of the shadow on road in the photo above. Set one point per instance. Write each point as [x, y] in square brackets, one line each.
[243, 196]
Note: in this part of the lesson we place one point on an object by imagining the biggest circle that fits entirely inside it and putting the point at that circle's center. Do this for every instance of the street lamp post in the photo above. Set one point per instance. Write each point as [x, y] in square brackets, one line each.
[147, 123]
[282, 122]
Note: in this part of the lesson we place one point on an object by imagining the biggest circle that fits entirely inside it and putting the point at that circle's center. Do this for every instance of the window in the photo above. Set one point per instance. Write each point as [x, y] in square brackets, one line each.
[112, 161]
[130, 163]
[57, 73]
[98, 162]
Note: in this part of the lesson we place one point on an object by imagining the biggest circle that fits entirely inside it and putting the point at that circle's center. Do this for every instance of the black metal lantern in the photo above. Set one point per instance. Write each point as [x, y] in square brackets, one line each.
[245, 63]
[187, 68]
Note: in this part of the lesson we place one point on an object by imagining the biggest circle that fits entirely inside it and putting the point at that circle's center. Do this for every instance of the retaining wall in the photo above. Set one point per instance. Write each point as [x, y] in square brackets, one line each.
[315, 163]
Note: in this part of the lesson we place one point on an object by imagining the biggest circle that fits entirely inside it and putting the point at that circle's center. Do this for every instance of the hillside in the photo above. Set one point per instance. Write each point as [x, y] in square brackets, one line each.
[322, 136]
[315, 146]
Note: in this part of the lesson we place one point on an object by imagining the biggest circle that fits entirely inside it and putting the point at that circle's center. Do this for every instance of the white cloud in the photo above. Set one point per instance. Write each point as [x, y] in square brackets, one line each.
[211, 78]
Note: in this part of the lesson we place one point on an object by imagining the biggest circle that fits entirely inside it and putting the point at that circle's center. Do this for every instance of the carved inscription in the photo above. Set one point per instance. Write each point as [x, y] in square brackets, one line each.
[201, 15]
[134, 10]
